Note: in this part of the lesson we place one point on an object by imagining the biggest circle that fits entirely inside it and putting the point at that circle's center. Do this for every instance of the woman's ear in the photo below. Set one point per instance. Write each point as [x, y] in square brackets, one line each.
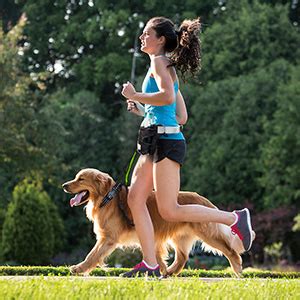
[162, 40]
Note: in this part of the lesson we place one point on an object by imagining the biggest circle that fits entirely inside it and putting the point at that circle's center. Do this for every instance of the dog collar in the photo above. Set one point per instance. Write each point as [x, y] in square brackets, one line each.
[111, 194]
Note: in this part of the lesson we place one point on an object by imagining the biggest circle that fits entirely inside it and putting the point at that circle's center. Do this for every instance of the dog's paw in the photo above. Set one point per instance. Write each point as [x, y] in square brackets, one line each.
[166, 275]
[238, 269]
[76, 270]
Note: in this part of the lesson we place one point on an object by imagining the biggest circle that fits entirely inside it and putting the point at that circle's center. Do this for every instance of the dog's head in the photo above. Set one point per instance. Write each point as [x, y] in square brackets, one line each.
[88, 184]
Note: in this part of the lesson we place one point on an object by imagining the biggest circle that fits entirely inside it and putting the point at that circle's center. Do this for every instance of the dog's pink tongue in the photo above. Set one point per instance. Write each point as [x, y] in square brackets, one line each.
[76, 200]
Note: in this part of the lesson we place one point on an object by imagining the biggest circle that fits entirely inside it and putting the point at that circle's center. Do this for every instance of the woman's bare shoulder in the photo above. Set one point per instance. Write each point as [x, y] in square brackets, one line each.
[162, 63]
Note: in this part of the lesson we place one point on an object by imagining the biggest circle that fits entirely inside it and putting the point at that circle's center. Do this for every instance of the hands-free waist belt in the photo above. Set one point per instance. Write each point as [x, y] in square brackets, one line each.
[148, 137]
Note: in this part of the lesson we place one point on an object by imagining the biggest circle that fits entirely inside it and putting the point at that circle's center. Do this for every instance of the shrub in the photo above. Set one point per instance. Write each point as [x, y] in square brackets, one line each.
[30, 230]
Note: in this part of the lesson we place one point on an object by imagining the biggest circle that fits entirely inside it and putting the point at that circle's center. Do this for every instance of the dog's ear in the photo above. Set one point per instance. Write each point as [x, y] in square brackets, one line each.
[104, 183]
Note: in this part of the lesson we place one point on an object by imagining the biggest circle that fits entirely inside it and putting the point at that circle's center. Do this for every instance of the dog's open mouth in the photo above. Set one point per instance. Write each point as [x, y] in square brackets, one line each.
[79, 198]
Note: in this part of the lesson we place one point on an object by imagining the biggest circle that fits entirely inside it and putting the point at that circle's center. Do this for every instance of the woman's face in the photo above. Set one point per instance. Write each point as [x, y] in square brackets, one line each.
[150, 43]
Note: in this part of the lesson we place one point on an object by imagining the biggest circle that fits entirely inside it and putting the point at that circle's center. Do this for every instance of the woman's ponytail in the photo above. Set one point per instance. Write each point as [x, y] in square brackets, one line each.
[187, 55]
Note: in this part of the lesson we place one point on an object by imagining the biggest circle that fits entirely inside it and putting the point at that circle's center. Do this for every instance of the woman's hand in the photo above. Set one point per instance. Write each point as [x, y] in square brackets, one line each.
[135, 107]
[131, 106]
[128, 90]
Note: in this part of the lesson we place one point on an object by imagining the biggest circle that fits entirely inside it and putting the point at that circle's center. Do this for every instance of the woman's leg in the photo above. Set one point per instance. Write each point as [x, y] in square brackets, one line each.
[140, 188]
[166, 179]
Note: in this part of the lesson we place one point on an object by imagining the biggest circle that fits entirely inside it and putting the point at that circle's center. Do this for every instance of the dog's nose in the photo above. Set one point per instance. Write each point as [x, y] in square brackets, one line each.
[64, 185]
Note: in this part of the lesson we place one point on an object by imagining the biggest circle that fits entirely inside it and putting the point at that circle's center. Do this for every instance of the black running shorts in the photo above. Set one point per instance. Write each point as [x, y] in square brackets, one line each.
[172, 149]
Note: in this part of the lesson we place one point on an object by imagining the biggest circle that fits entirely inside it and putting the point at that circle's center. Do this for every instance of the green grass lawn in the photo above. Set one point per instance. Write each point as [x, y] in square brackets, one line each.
[175, 288]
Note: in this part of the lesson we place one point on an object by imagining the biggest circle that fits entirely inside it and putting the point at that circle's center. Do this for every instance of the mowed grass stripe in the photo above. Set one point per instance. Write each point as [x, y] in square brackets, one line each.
[75, 288]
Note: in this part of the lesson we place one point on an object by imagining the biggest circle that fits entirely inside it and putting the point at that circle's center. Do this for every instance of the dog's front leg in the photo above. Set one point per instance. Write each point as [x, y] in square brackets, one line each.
[96, 257]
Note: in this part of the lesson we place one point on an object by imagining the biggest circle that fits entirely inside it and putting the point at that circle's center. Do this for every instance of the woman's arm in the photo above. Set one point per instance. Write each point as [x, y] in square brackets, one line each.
[163, 79]
[181, 112]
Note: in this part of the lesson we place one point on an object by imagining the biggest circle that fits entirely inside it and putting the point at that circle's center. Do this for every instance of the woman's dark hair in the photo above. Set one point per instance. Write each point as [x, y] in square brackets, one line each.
[182, 44]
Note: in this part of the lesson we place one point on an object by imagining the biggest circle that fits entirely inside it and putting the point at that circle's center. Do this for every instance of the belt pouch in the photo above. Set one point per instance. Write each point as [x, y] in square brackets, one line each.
[147, 139]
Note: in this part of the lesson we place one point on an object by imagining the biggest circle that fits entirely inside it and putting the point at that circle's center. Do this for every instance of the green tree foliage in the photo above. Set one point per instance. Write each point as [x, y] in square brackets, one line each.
[83, 121]
[280, 158]
[244, 90]
[14, 103]
[248, 36]
[26, 135]
[32, 230]
[227, 133]
[17, 102]
[93, 40]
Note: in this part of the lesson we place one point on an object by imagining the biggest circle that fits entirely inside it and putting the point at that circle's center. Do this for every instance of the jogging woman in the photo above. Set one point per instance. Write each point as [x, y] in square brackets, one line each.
[164, 109]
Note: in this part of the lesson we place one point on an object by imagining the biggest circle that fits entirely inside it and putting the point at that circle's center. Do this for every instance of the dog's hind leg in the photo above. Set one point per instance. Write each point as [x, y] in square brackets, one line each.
[221, 244]
[182, 245]
[96, 257]
[161, 256]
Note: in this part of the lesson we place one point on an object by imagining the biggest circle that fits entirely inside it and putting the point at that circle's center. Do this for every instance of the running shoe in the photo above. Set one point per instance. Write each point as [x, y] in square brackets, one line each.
[142, 270]
[242, 227]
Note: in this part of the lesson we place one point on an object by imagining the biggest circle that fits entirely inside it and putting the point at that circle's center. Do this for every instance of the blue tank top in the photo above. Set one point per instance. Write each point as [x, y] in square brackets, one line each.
[160, 115]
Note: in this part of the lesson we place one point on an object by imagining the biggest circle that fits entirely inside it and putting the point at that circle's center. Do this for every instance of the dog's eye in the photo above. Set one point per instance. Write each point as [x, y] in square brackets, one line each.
[80, 179]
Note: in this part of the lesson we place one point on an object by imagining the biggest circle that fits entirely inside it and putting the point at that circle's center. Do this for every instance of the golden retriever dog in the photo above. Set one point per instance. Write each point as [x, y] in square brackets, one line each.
[113, 229]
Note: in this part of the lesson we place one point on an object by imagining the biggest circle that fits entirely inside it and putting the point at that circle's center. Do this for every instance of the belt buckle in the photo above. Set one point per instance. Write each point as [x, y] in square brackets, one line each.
[159, 129]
